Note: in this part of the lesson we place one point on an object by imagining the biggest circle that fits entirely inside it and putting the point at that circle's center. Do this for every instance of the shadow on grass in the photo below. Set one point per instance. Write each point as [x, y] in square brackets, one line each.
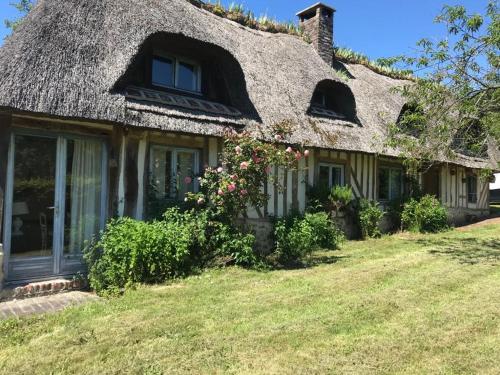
[312, 261]
[465, 250]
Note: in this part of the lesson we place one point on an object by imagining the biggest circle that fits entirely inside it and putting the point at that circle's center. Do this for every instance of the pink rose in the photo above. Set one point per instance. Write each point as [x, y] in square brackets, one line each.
[244, 165]
[234, 177]
[289, 150]
[188, 180]
[277, 137]
[268, 169]
[220, 170]
[231, 188]
[201, 201]
[220, 192]
[238, 150]
[244, 192]
[306, 153]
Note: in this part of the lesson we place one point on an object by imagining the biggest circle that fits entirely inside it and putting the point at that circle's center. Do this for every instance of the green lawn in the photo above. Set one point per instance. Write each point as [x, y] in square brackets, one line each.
[408, 304]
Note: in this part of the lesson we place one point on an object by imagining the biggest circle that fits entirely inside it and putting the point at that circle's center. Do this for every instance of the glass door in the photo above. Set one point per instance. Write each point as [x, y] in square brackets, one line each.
[55, 203]
[30, 233]
[83, 199]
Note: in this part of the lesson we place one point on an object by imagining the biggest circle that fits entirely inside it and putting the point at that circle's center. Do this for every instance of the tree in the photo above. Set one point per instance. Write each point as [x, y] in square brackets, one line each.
[453, 108]
[24, 7]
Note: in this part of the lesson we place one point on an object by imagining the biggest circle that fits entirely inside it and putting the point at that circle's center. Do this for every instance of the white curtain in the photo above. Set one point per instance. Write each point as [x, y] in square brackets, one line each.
[85, 192]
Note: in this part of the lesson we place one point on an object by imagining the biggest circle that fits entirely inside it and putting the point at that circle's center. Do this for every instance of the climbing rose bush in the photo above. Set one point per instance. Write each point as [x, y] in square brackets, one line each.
[246, 165]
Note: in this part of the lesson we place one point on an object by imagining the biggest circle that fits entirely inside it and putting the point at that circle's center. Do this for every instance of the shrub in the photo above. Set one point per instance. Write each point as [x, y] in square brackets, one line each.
[370, 216]
[326, 234]
[341, 197]
[424, 215]
[296, 237]
[131, 251]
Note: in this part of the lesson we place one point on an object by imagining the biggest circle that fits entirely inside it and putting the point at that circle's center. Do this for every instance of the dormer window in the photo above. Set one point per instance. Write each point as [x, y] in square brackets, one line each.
[175, 73]
[334, 100]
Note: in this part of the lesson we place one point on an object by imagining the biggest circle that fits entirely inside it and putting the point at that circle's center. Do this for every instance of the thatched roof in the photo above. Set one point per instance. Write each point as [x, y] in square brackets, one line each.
[68, 57]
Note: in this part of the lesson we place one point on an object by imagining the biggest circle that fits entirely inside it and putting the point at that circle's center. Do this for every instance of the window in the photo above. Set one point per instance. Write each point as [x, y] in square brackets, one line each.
[175, 73]
[173, 171]
[472, 189]
[331, 175]
[390, 183]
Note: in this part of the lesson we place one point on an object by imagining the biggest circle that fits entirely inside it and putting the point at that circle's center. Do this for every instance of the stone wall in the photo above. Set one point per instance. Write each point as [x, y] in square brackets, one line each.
[463, 216]
[263, 231]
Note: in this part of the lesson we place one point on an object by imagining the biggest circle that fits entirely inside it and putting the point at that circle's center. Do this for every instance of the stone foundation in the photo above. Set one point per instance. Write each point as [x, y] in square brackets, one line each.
[1, 267]
[263, 231]
[464, 216]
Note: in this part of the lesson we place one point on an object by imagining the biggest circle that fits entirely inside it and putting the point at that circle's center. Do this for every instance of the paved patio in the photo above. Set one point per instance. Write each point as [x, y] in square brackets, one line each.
[42, 305]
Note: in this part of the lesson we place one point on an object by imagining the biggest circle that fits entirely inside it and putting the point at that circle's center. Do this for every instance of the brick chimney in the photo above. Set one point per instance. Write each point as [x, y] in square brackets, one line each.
[317, 22]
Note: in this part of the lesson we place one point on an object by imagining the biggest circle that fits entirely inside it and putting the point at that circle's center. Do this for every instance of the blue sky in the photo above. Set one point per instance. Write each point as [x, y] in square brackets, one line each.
[379, 28]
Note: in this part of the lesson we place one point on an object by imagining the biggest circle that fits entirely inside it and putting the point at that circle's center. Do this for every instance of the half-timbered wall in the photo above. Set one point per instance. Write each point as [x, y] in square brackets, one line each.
[453, 189]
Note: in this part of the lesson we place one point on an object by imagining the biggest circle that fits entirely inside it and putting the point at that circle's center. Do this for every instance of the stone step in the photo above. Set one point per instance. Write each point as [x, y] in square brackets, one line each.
[43, 288]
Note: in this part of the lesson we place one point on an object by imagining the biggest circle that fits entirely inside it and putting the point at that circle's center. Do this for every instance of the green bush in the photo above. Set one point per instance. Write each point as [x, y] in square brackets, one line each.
[294, 239]
[341, 197]
[326, 234]
[424, 215]
[297, 237]
[370, 216]
[131, 251]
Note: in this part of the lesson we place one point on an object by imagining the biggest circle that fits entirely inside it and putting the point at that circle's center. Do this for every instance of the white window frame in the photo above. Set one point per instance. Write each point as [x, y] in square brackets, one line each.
[330, 167]
[390, 169]
[173, 165]
[176, 60]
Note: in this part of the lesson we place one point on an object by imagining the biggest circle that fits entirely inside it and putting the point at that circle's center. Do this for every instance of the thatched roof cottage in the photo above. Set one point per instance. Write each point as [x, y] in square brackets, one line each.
[105, 105]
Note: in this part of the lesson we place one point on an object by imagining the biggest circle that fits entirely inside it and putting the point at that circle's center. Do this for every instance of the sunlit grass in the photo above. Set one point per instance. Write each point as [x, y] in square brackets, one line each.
[402, 304]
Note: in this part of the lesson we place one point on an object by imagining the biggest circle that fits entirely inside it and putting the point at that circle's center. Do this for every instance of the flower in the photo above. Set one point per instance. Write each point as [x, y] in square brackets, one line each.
[289, 150]
[231, 187]
[220, 192]
[244, 192]
[234, 177]
[298, 155]
[238, 150]
[188, 180]
[244, 165]
[186, 200]
[220, 170]
[306, 153]
[277, 137]
[268, 169]
[201, 201]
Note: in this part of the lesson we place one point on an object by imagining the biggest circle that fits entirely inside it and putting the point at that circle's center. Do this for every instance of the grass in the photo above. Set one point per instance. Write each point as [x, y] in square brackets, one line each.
[403, 304]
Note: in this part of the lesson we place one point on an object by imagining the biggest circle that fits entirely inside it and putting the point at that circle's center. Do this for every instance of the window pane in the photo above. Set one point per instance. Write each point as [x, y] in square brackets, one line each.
[162, 72]
[187, 79]
[185, 174]
[472, 189]
[34, 194]
[162, 172]
[396, 182]
[337, 176]
[83, 193]
[383, 184]
[324, 176]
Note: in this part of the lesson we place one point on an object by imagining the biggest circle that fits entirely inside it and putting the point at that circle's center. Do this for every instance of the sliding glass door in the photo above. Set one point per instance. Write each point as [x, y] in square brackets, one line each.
[55, 203]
